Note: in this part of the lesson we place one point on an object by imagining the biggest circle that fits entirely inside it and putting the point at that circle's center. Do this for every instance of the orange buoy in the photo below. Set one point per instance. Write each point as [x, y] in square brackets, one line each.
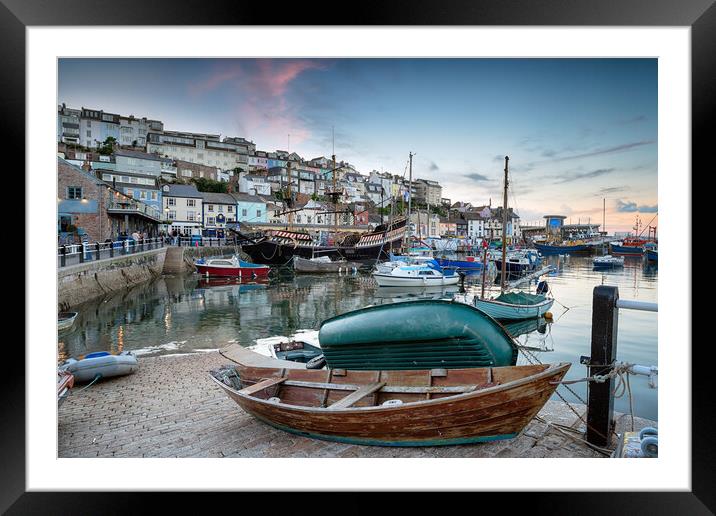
[548, 315]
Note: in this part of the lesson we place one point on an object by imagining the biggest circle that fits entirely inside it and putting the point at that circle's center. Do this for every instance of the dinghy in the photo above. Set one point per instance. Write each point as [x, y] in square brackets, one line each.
[608, 261]
[415, 334]
[65, 320]
[420, 407]
[323, 264]
[426, 275]
[102, 364]
[515, 305]
[230, 267]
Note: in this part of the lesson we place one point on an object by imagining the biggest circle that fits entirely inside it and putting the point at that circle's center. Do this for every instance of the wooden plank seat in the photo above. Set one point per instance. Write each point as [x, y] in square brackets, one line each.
[359, 394]
[393, 389]
[263, 384]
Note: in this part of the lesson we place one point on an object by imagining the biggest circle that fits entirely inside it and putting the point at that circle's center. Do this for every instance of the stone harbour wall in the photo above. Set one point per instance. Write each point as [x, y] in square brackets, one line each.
[83, 282]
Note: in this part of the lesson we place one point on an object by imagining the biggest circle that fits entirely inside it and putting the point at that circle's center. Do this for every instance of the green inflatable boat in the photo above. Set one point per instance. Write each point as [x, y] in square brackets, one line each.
[421, 334]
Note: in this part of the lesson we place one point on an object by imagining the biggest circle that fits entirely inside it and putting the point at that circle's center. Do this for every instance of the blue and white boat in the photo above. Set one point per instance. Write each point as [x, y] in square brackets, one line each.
[561, 249]
[462, 265]
[512, 306]
[422, 275]
[651, 252]
[608, 262]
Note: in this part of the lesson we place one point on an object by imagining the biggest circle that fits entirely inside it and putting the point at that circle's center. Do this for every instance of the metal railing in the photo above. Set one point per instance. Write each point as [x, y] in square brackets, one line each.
[134, 207]
[195, 241]
[74, 254]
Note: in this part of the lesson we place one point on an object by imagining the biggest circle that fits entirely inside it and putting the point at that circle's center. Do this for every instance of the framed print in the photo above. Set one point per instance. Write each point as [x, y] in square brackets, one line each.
[224, 182]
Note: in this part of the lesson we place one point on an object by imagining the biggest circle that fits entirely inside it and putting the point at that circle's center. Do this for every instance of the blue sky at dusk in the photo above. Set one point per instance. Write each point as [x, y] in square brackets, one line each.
[576, 130]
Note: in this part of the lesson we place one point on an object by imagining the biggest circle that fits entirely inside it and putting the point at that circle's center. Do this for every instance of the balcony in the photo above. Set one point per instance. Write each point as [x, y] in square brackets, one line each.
[131, 207]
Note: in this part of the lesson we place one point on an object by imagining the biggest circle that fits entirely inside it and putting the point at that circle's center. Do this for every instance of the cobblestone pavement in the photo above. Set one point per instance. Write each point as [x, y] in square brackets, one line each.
[170, 408]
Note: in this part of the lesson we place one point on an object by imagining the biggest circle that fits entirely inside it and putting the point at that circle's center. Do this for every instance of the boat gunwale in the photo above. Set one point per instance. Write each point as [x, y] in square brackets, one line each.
[512, 305]
[551, 370]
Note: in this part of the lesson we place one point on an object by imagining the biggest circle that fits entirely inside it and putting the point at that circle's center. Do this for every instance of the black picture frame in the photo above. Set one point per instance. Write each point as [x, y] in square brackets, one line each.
[700, 15]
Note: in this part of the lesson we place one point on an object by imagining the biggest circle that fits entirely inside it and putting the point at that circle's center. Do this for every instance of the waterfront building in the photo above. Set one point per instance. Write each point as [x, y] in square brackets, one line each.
[425, 224]
[493, 225]
[374, 193]
[133, 131]
[254, 184]
[202, 149]
[251, 209]
[92, 210]
[183, 205]
[91, 127]
[217, 210]
[553, 224]
[448, 227]
[68, 125]
[476, 224]
[96, 126]
[258, 161]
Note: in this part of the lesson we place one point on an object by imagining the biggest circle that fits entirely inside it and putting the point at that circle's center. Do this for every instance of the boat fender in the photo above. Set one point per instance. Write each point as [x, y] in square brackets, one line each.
[274, 399]
[391, 403]
[650, 447]
[542, 287]
[548, 316]
[316, 362]
[648, 431]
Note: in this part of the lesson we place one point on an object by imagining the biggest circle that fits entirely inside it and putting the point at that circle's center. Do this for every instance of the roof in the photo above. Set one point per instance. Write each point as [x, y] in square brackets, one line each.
[137, 154]
[182, 191]
[217, 198]
[244, 197]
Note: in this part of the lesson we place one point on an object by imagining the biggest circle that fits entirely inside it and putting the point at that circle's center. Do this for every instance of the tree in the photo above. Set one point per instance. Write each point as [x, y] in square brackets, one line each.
[204, 184]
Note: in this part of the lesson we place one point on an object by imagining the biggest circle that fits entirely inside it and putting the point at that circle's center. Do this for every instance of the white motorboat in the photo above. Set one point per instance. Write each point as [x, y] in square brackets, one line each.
[416, 276]
[608, 261]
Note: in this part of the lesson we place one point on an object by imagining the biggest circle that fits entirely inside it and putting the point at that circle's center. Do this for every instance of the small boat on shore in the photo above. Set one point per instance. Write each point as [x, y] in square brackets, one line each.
[608, 262]
[65, 381]
[230, 267]
[65, 320]
[102, 364]
[323, 264]
[415, 334]
[419, 407]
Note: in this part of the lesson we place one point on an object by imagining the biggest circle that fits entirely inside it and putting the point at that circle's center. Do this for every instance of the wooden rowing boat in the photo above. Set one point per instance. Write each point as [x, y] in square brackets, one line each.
[427, 407]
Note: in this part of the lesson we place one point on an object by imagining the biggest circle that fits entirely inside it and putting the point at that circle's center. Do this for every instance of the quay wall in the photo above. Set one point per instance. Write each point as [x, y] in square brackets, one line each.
[83, 282]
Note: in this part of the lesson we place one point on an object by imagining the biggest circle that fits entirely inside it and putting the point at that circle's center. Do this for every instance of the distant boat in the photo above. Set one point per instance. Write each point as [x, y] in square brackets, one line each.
[566, 248]
[651, 252]
[608, 261]
[423, 407]
[415, 275]
[323, 264]
[230, 267]
[415, 334]
[515, 305]
[470, 263]
[65, 320]
[518, 263]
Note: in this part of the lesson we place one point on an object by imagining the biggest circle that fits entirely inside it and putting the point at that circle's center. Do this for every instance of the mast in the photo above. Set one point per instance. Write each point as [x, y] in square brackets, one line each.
[410, 194]
[288, 193]
[335, 202]
[504, 230]
[604, 215]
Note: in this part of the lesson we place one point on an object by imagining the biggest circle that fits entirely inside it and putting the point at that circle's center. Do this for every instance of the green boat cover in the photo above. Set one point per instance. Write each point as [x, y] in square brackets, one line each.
[421, 334]
[520, 298]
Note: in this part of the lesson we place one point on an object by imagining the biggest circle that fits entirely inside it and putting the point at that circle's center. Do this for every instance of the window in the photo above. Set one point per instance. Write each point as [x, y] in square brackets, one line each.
[125, 179]
[186, 172]
[210, 221]
[258, 213]
[244, 212]
[221, 208]
[171, 201]
[230, 209]
[89, 133]
[191, 202]
[74, 192]
[308, 217]
[65, 221]
[190, 215]
[211, 207]
[172, 215]
[154, 196]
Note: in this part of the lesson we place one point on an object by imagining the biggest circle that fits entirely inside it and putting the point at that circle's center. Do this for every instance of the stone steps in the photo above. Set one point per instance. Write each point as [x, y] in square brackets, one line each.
[174, 261]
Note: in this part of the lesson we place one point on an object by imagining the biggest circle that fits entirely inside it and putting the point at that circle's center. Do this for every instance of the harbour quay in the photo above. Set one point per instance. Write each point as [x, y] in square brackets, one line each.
[170, 408]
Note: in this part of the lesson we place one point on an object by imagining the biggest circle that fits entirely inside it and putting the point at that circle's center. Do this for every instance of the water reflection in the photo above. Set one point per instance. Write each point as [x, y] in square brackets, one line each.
[179, 314]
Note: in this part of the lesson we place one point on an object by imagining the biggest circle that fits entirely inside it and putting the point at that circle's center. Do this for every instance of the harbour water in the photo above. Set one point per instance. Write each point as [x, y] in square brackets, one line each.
[182, 314]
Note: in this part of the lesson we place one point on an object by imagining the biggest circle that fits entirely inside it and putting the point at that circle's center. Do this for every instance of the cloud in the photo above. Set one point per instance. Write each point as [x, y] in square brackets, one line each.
[612, 189]
[477, 177]
[633, 120]
[608, 150]
[583, 175]
[433, 166]
[631, 207]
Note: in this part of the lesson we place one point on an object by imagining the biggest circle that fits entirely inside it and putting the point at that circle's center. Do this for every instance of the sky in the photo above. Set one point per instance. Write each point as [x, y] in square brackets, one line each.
[577, 131]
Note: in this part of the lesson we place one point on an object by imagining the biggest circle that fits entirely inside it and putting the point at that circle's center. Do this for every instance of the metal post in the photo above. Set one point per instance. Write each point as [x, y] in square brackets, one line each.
[63, 256]
[82, 252]
[600, 404]
[99, 257]
[111, 249]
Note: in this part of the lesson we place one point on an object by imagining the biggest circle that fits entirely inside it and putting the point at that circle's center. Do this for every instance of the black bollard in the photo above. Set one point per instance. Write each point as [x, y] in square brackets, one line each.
[600, 404]
[98, 250]
[63, 256]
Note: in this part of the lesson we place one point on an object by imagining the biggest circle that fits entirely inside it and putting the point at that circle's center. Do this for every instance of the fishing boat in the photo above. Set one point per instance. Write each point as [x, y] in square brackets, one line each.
[65, 381]
[630, 246]
[419, 407]
[230, 267]
[415, 334]
[65, 320]
[323, 264]
[608, 261]
[564, 248]
[430, 274]
[517, 263]
[515, 305]
[651, 252]
[101, 364]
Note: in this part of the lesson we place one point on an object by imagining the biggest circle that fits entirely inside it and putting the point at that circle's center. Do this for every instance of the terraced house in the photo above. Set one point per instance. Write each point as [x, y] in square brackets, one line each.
[218, 209]
[183, 205]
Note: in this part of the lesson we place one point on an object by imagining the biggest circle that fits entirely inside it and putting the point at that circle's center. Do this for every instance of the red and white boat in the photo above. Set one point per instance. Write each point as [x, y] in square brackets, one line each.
[231, 268]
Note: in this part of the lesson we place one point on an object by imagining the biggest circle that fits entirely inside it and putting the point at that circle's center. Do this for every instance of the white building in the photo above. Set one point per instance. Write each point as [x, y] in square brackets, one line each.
[203, 149]
[183, 206]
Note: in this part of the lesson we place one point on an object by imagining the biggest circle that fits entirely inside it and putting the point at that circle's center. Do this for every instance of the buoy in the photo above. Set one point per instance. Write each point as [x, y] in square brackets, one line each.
[548, 316]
